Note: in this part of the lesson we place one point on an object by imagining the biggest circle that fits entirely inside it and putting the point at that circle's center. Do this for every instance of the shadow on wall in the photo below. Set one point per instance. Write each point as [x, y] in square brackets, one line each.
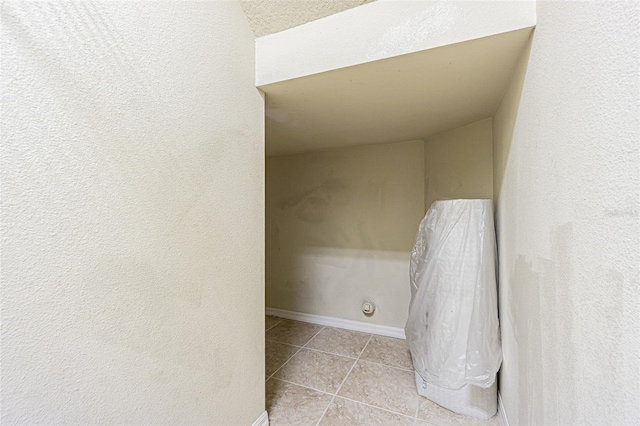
[459, 163]
[363, 198]
[504, 124]
[538, 292]
[337, 213]
[340, 226]
[535, 302]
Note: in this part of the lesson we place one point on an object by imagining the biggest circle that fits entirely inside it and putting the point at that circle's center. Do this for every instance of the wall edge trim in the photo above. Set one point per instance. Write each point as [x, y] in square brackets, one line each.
[382, 330]
[502, 415]
[263, 420]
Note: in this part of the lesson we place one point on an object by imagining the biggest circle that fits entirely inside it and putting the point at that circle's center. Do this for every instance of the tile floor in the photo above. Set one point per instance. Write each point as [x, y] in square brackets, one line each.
[328, 376]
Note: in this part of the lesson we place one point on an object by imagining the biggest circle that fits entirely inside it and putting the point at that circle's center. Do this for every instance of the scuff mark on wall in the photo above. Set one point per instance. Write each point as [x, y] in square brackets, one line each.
[565, 211]
[545, 286]
[529, 340]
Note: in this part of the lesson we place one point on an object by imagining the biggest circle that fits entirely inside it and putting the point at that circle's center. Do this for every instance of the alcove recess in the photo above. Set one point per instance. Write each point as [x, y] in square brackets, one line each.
[372, 114]
[388, 72]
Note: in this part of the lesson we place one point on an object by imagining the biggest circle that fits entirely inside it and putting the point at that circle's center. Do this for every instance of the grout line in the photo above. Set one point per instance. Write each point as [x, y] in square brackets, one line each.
[386, 365]
[280, 343]
[373, 406]
[294, 354]
[297, 352]
[303, 386]
[343, 356]
[270, 328]
[343, 397]
[335, 395]
[330, 353]
[343, 381]
[314, 336]
[281, 319]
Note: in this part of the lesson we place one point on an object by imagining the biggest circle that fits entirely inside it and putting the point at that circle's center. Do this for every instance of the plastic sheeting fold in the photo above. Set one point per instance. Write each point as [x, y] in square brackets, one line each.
[453, 330]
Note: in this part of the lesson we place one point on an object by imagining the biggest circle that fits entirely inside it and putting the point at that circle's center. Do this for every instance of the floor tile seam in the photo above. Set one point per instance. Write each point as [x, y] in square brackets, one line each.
[386, 365]
[415, 416]
[375, 406]
[290, 344]
[330, 327]
[326, 327]
[302, 386]
[274, 325]
[291, 379]
[313, 337]
[408, 416]
[280, 343]
[285, 363]
[329, 353]
[291, 357]
[344, 380]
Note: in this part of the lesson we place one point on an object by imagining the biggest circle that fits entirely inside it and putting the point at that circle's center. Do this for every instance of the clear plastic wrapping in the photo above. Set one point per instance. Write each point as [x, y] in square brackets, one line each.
[452, 329]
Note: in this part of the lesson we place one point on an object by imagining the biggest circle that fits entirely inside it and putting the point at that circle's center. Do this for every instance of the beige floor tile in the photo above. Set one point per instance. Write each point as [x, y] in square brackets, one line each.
[381, 386]
[316, 370]
[289, 404]
[388, 351]
[340, 342]
[343, 412]
[276, 354]
[270, 321]
[437, 415]
[293, 332]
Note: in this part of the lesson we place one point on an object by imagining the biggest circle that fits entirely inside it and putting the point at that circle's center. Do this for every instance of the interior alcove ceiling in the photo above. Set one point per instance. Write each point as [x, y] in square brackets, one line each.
[406, 97]
[272, 16]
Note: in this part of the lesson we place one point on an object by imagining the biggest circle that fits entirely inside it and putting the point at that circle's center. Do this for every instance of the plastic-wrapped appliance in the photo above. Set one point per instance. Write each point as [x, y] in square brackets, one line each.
[452, 329]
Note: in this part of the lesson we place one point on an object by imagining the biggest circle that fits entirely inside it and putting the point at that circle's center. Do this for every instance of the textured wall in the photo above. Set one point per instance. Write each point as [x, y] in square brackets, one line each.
[132, 214]
[340, 226]
[272, 16]
[459, 163]
[567, 184]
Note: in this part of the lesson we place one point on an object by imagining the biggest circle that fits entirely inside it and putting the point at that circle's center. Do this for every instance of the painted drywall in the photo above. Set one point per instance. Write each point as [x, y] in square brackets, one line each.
[340, 227]
[380, 30]
[269, 16]
[406, 97]
[459, 163]
[132, 214]
[567, 186]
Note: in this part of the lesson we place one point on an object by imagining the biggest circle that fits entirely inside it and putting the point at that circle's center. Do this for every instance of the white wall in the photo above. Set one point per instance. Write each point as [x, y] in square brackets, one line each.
[459, 163]
[567, 185]
[340, 226]
[132, 214]
[386, 29]
[268, 16]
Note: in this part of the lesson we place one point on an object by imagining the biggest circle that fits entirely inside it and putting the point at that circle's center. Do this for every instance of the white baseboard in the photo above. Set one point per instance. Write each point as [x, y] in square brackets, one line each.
[502, 415]
[364, 327]
[263, 420]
